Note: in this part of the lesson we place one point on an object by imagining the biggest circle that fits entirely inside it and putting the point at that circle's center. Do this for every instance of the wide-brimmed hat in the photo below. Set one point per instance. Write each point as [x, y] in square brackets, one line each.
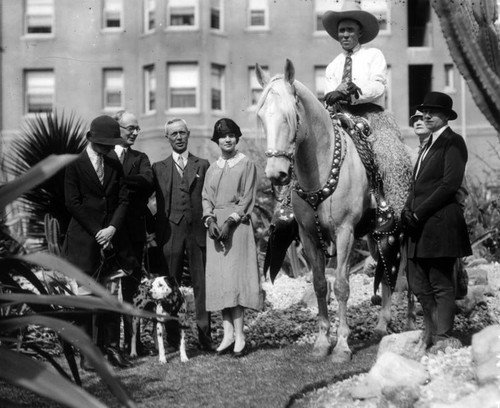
[351, 10]
[104, 130]
[417, 115]
[223, 127]
[439, 100]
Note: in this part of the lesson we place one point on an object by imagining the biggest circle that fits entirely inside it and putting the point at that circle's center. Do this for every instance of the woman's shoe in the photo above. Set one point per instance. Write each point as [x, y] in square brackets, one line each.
[225, 350]
[242, 352]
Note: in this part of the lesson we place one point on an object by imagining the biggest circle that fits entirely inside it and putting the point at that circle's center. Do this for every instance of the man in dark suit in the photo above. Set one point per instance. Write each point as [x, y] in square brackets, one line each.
[434, 219]
[180, 232]
[97, 200]
[138, 177]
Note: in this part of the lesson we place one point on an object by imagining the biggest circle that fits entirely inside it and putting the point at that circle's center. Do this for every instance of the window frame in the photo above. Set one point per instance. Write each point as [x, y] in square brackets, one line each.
[449, 78]
[196, 18]
[221, 16]
[150, 82]
[106, 90]
[27, 16]
[104, 18]
[252, 79]
[319, 69]
[189, 109]
[249, 24]
[147, 10]
[27, 92]
[222, 82]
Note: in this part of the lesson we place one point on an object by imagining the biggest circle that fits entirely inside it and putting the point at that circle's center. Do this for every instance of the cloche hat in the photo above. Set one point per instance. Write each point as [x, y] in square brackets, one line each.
[439, 100]
[223, 127]
[417, 115]
[351, 10]
[104, 130]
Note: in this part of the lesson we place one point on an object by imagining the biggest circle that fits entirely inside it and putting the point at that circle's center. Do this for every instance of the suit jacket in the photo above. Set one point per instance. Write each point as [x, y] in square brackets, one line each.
[93, 206]
[138, 176]
[442, 229]
[195, 172]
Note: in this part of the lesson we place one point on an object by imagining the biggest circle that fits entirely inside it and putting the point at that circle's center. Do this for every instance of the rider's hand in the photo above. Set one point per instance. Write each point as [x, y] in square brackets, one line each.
[353, 89]
[333, 97]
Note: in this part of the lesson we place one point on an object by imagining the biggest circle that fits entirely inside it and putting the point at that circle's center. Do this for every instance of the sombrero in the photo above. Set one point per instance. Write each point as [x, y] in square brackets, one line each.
[351, 10]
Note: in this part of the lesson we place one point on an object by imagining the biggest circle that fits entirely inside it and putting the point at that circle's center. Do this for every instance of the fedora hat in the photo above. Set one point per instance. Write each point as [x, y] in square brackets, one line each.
[417, 115]
[104, 130]
[441, 101]
[351, 10]
[223, 127]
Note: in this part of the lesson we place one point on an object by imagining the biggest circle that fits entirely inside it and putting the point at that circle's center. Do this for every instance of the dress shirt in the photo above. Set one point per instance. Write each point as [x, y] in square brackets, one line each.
[369, 70]
[184, 155]
[93, 156]
[118, 150]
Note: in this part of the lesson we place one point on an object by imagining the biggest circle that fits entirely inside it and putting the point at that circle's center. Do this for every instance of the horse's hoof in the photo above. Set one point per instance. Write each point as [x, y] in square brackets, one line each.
[340, 357]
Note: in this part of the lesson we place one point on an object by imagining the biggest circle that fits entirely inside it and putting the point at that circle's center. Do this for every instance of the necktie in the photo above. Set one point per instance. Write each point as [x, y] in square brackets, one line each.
[100, 168]
[180, 166]
[423, 152]
[122, 156]
[347, 74]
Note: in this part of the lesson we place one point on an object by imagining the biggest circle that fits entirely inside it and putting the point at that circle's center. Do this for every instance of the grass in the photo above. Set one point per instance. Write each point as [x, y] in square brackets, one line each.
[270, 377]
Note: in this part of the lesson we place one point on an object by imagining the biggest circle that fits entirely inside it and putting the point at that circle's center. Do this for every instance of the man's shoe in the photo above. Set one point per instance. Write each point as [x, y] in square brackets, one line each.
[208, 347]
[115, 358]
[442, 345]
[225, 350]
[243, 352]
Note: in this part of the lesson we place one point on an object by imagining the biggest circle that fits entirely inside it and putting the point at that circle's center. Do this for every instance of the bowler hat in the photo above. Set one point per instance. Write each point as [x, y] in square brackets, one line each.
[104, 130]
[441, 101]
[223, 127]
[351, 10]
[416, 116]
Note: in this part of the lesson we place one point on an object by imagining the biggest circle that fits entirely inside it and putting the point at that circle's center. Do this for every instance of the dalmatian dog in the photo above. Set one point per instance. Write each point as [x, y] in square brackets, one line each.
[163, 294]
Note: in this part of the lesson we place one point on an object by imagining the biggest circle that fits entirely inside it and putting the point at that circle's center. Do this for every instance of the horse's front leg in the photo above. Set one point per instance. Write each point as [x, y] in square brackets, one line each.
[345, 238]
[317, 261]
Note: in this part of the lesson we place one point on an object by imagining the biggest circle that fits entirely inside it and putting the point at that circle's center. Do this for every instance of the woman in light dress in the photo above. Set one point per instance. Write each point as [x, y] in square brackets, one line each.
[232, 274]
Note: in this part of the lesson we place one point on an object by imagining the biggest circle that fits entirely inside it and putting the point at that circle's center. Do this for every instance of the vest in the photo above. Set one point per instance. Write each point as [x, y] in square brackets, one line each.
[180, 205]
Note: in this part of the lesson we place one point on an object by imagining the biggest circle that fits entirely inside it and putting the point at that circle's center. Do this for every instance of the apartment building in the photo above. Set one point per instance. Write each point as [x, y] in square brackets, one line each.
[195, 59]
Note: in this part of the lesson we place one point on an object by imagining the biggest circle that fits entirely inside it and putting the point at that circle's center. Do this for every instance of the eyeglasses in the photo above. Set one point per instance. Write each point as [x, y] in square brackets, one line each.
[131, 129]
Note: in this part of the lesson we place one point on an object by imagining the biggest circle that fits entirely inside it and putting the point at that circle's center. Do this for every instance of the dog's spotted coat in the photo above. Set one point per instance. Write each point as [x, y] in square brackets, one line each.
[165, 295]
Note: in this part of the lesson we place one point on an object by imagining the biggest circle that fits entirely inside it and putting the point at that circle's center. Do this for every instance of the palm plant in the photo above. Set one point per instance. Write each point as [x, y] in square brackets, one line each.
[52, 311]
[41, 136]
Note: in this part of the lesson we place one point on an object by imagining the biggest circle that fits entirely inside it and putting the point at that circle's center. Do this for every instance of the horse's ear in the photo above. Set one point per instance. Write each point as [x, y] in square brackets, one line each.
[289, 72]
[262, 76]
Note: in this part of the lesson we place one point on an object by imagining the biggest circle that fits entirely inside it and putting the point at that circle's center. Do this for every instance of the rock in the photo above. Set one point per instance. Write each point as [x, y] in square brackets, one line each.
[399, 397]
[390, 370]
[477, 276]
[406, 344]
[475, 295]
[473, 262]
[485, 397]
[309, 296]
[485, 352]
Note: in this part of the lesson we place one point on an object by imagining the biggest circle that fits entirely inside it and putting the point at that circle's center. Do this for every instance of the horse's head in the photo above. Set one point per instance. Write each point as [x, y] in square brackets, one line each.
[277, 112]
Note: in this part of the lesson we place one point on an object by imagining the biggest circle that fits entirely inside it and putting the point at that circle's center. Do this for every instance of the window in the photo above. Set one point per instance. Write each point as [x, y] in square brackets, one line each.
[388, 89]
[113, 88]
[217, 91]
[319, 82]
[182, 13]
[149, 89]
[320, 7]
[149, 15]
[258, 14]
[255, 88]
[215, 15]
[39, 17]
[112, 14]
[183, 84]
[449, 78]
[39, 91]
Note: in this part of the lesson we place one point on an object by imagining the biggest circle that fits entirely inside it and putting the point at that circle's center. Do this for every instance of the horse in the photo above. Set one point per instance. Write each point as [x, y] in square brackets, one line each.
[331, 195]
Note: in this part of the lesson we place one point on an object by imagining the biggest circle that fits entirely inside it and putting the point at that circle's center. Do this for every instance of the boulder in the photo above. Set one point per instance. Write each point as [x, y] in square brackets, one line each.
[485, 349]
[397, 397]
[390, 370]
[475, 296]
[485, 397]
[477, 276]
[407, 344]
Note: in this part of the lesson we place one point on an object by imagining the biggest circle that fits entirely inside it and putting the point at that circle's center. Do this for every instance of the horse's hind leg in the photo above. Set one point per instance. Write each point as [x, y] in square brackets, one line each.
[345, 238]
[384, 317]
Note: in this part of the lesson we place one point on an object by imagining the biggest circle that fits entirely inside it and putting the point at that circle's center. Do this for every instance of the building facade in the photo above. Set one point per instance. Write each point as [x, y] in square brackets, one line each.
[195, 59]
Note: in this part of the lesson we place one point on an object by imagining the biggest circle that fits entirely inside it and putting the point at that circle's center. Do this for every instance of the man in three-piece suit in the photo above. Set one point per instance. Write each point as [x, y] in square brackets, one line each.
[138, 177]
[97, 200]
[180, 232]
[434, 219]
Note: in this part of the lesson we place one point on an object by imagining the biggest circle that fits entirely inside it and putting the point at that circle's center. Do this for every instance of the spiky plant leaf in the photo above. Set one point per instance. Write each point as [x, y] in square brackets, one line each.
[42, 136]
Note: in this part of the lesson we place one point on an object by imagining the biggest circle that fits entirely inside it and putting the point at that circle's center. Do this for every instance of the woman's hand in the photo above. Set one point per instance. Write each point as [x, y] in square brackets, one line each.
[213, 229]
[226, 229]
